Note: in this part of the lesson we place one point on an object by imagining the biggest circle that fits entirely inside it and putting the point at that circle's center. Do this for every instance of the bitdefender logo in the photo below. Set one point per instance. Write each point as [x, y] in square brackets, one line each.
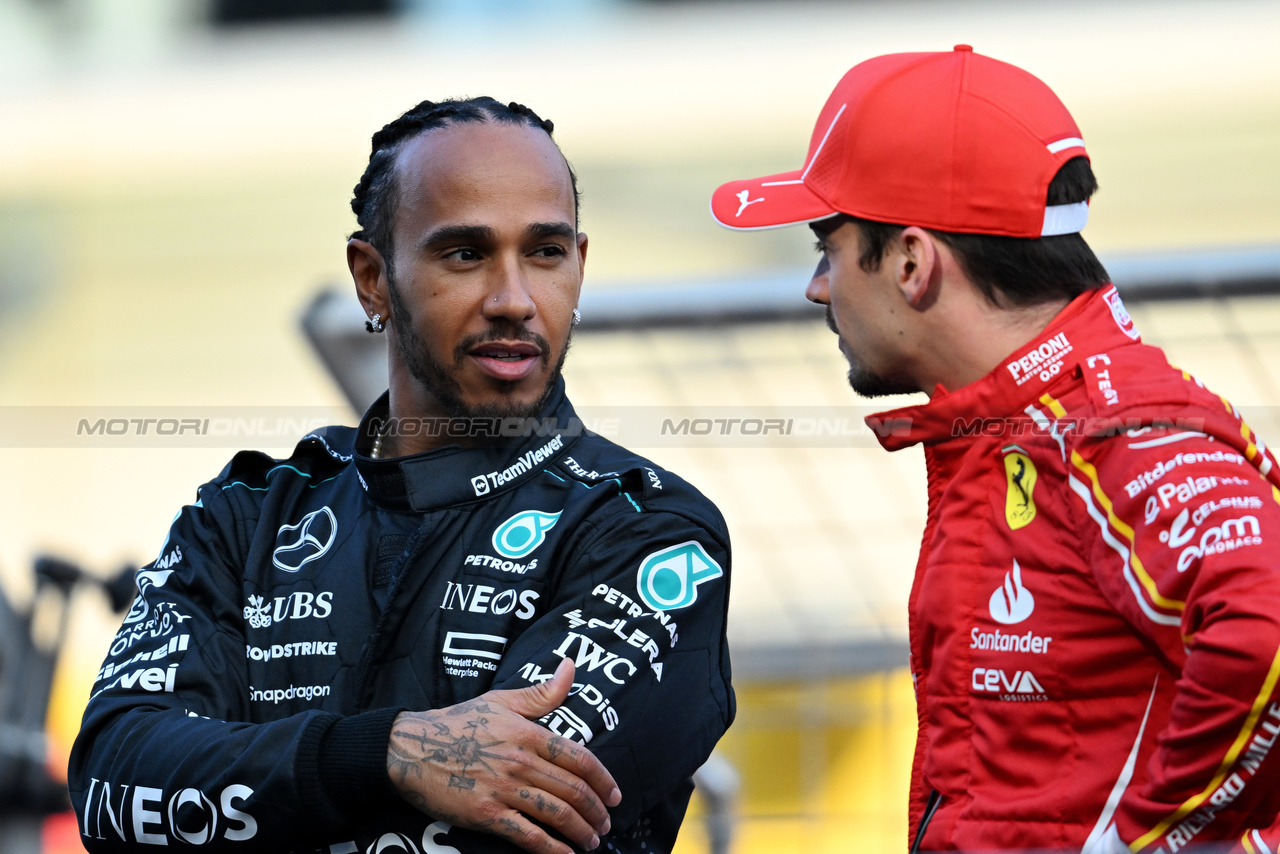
[1012, 603]
[310, 539]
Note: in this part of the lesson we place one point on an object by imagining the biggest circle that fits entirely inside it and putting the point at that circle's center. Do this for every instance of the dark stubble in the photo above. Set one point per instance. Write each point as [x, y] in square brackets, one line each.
[865, 381]
[439, 379]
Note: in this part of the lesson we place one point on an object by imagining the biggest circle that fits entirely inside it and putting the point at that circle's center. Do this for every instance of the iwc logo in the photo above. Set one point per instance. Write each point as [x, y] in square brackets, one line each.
[310, 539]
[523, 532]
[1019, 501]
[669, 579]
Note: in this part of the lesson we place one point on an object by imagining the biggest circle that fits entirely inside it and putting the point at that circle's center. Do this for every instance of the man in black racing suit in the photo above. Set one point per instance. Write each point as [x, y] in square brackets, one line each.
[401, 638]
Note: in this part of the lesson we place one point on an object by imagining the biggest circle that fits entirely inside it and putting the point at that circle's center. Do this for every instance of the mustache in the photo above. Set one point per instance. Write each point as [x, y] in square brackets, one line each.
[831, 321]
[502, 332]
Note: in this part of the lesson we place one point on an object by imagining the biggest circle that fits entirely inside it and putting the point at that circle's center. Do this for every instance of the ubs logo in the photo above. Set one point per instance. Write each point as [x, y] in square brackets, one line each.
[298, 545]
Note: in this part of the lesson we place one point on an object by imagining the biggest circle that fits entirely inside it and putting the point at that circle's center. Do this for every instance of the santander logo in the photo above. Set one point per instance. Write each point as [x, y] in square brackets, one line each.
[1012, 603]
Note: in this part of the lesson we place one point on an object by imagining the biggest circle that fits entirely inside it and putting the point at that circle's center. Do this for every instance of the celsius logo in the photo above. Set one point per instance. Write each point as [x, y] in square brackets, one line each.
[669, 579]
[1012, 603]
[146, 578]
[302, 543]
[523, 532]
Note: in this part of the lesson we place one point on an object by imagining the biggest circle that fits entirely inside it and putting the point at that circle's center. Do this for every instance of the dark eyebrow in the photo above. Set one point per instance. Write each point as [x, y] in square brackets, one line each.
[452, 234]
[542, 230]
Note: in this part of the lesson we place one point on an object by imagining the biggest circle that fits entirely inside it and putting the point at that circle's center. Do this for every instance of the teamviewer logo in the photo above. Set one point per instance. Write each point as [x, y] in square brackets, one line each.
[480, 484]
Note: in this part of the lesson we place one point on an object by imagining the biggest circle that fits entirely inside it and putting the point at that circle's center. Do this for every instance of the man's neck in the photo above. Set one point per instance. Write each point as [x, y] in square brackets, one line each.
[419, 423]
[976, 336]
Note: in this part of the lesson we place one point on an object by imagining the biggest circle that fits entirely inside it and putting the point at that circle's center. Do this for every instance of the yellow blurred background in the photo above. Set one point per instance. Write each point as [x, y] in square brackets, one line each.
[172, 193]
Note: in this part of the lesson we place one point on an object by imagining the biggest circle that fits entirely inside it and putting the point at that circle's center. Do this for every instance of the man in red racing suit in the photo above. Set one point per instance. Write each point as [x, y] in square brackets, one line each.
[1095, 617]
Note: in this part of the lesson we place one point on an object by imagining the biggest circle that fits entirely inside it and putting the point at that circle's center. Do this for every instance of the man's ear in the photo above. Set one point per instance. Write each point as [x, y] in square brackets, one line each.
[582, 263]
[369, 274]
[916, 267]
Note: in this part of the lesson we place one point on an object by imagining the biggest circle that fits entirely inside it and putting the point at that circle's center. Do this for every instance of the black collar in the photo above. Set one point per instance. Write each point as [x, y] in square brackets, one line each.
[457, 474]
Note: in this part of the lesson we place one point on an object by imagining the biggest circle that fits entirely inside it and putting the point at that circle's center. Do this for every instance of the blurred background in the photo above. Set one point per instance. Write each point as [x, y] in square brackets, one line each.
[174, 187]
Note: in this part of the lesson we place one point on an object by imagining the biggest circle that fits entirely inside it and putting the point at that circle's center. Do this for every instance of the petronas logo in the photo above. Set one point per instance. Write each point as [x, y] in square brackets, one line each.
[523, 532]
[669, 579]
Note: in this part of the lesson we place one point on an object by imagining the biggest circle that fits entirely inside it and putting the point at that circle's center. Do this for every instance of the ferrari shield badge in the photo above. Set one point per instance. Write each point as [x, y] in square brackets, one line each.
[1019, 498]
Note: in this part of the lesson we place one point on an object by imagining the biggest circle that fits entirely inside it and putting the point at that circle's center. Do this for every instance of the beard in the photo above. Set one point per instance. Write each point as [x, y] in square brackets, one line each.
[438, 379]
[862, 379]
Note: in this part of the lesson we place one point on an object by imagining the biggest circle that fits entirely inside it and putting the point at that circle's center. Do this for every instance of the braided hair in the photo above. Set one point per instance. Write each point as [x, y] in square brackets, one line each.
[374, 197]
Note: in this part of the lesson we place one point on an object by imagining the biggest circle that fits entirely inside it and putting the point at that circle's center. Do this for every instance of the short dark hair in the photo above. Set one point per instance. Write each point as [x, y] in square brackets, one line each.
[1013, 272]
[375, 197]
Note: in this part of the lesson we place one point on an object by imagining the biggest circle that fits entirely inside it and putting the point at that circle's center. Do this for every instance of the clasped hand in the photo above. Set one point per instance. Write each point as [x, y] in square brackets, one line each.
[485, 765]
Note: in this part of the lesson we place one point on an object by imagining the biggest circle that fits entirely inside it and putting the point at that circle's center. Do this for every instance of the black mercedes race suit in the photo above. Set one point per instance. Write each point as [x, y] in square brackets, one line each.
[298, 605]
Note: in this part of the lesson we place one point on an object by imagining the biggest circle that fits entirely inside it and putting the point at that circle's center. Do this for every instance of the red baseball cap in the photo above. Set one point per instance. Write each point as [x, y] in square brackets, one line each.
[953, 141]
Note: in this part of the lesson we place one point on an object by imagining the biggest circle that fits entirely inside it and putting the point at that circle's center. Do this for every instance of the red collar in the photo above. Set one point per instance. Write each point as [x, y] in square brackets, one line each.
[1094, 322]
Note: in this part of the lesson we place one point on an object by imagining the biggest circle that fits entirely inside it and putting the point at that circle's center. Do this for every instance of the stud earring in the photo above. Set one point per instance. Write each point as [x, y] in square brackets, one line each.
[375, 324]
[577, 318]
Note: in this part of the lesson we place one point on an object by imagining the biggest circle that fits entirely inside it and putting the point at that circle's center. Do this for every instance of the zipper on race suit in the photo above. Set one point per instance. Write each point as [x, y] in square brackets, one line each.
[930, 807]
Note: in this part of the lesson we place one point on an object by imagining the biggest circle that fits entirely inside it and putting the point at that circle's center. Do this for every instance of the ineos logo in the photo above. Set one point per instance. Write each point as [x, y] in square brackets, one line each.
[297, 545]
[399, 843]
[204, 808]
[143, 815]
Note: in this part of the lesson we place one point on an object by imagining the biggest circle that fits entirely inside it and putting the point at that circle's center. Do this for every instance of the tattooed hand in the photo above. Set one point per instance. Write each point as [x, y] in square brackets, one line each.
[485, 765]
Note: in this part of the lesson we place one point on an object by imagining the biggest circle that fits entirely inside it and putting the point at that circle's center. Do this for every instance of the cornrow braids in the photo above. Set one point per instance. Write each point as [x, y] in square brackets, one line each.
[374, 198]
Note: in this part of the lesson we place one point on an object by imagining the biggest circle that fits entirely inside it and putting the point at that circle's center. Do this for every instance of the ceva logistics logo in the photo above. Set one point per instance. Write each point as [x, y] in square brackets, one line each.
[669, 579]
[523, 532]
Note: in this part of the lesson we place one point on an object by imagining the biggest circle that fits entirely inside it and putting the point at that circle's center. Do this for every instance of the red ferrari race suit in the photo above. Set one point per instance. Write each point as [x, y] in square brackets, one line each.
[1095, 617]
